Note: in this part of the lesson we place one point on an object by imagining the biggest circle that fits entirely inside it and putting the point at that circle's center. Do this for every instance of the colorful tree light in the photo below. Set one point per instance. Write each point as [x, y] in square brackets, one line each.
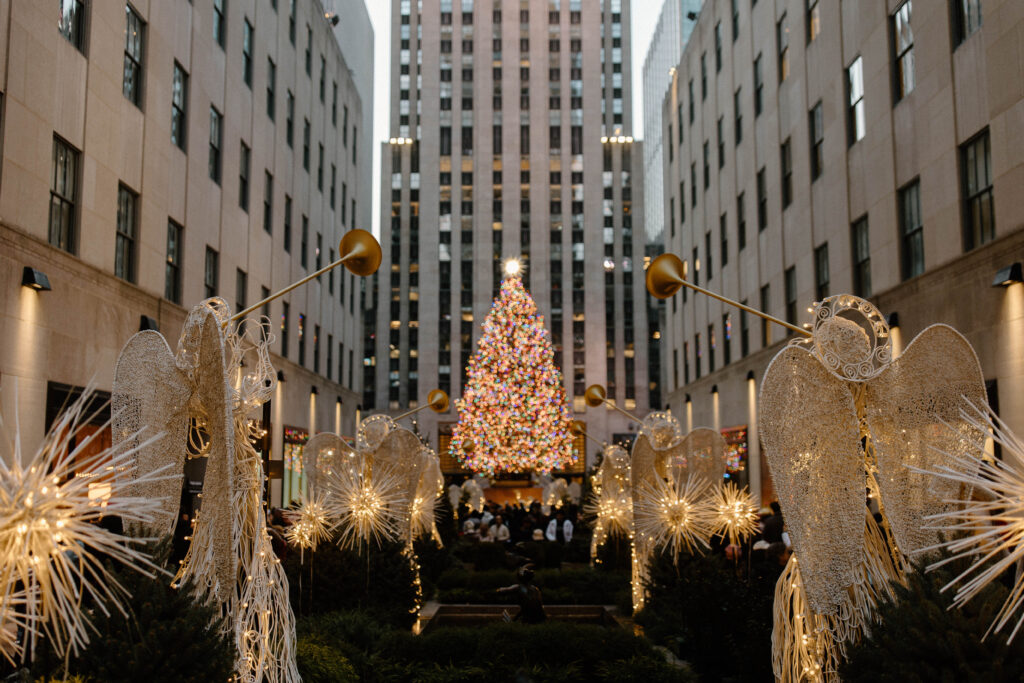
[513, 416]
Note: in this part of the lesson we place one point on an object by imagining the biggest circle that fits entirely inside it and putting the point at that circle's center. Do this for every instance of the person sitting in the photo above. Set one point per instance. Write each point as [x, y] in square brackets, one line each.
[560, 529]
[499, 531]
[531, 602]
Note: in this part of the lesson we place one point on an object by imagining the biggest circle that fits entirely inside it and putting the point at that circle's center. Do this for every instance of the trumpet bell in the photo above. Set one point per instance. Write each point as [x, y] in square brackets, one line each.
[577, 427]
[438, 400]
[360, 252]
[595, 395]
[665, 276]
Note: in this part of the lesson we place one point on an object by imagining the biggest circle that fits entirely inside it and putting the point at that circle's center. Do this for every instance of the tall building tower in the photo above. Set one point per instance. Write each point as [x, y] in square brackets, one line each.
[511, 137]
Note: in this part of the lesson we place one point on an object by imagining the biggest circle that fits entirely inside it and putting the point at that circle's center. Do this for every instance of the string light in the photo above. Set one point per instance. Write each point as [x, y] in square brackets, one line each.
[513, 415]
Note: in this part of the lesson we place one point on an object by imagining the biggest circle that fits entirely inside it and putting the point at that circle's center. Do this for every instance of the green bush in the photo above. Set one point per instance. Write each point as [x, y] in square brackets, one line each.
[322, 664]
[380, 581]
[167, 636]
[921, 639]
[583, 586]
[712, 615]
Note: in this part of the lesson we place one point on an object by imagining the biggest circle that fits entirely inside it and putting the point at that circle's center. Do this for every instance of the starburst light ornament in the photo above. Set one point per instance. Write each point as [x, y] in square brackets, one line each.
[735, 512]
[52, 547]
[364, 502]
[311, 524]
[513, 415]
[674, 514]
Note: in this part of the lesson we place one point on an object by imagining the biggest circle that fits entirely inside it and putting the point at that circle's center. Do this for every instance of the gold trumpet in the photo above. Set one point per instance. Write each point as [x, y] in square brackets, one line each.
[577, 428]
[667, 274]
[360, 252]
[596, 395]
[437, 400]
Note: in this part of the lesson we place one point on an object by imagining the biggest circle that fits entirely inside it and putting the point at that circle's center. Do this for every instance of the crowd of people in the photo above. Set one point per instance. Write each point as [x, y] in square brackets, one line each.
[510, 524]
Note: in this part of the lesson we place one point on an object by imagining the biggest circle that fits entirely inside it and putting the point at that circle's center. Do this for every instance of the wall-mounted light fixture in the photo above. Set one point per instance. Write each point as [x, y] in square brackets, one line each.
[313, 391]
[332, 17]
[37, 280]
[714, 388]
[147, 323]
[280, 375]
[1004, 277]
[751, 375]
[892, 320]
[692, 16]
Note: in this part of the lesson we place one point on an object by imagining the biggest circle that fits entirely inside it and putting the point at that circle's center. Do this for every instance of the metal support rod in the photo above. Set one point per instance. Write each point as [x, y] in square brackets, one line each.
[410, 412]
[600, 443]
[631, 416]
[275, 295]
[744, 307]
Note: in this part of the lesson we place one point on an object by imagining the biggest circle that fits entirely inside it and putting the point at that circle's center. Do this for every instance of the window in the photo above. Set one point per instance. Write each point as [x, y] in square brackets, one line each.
[334, 104]
[703, 76]
[762, 202]
[711, 348]
[738, 114]
[302, 339]
[241, 285]
[691, 102]
[127, 233]
[721, 142]
[718, 47]
[219, 30]
[334, 182]
[741, 221]
[782, 38]
[316, 348]
[979, 218]
[735, 20]
[744, 332]
[216, 125]
[709, 262]
[786, 156]
[265, 308]
[291, 21]
[966, 18]
[790, 283]
[355, 140]
[726, 338]
[698, 354]
[304, 245]
[903, 44]
[211, 272]
[271, 85]
[723, 238]
[816, 126]
[323, 77]
[247, 53]
[288, 224]
[344, 125]
[320, 168]
[289, 128]
[245, 159]
[330, 357]
[133, 46]
[693, 183]
[179, 94]
[911, 231]
[172, 269]
[766, 329]
[72, 22]
[707, 165]
[821, 276]
[284, 328]
[861, 258]
[758, 87]
[305, 144]
[63, 195]
[309, 51]
[813, 20]
[855, 101]
[268, 202]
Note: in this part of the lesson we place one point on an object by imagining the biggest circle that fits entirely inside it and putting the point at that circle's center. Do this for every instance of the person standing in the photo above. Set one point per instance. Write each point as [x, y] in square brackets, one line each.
[560, 529]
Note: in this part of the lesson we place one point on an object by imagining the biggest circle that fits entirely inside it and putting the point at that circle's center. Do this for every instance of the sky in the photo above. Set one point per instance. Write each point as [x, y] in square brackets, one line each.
[644, 19]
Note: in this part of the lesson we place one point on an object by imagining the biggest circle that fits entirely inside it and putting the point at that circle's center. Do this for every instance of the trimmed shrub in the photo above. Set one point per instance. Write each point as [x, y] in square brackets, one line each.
[322, 664]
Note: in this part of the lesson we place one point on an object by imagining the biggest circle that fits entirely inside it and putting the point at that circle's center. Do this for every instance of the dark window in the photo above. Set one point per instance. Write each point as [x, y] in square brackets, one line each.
[855, 125]
[133, 46]
[289, 134]
[302, 339]
[309, 51]
[344, 125]
[320, 168]
[288, 224]
[711, 348]
[786, 156]
[821, 272]
[707, 165]
[219, 28]
[782, 38]
[726, 338]
[284, 328]
[861, 258]
[709, 263]
[903, 44]
[63, 195]
[211, 272]
[790, 283]
[268, 202]
[316, 348]
[966, 18]
[323, 78]
[691, 102]
[911, 231]
[744, 332]
[762, 201]
[979, 218]
[693, 184]
[766, 328]
[179, 104]
[271, 86]
[216, 126]
[703, 76]
[718, 47]
[758, 87]
[813, 20]
[735, 20]
[816, 125]
[72, 22]
[172, 270]
[305, 144]
[738, 116]
[304, 245]
[334, 103]
[244, 162]
[247, 53]
[125, 249]
[334, 182]
[241, 286]
[741, 221]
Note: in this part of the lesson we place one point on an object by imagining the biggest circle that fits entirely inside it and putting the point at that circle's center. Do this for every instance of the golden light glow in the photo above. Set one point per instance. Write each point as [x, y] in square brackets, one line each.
[512, 267]
[735, 513]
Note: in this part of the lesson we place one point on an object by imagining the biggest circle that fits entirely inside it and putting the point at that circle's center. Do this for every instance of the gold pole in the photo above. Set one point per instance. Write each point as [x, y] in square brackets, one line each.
[666, 275]
[577, 428]
[595, 396]
[437, 400]
[361, 251]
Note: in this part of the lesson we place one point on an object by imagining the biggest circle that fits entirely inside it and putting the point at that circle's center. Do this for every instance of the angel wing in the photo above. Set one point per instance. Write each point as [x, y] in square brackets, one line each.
[150, 399]
[913, 410]
[402, 452]
[321, 454]
[809, 428]
[703, 455]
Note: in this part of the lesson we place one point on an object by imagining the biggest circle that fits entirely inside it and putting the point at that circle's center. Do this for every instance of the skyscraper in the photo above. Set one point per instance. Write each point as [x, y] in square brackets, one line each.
[511, 137]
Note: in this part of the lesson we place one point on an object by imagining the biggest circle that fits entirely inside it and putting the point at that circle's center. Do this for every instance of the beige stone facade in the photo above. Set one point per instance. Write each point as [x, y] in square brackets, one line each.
[907, 154]
[141, 161]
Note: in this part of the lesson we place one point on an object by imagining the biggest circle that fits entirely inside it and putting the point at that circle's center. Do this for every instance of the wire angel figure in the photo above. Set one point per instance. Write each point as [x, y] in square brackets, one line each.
[841, 419]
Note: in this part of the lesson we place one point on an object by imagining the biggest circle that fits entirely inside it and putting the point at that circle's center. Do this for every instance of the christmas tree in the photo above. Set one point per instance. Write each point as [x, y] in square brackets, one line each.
[513, 415]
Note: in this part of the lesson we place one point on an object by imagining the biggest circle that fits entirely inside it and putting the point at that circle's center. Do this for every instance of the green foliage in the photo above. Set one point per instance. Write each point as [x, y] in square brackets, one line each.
[922, 639]
[322, 663]
[559, 587]
[380, 581]
[710, 614]
[166, 637]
